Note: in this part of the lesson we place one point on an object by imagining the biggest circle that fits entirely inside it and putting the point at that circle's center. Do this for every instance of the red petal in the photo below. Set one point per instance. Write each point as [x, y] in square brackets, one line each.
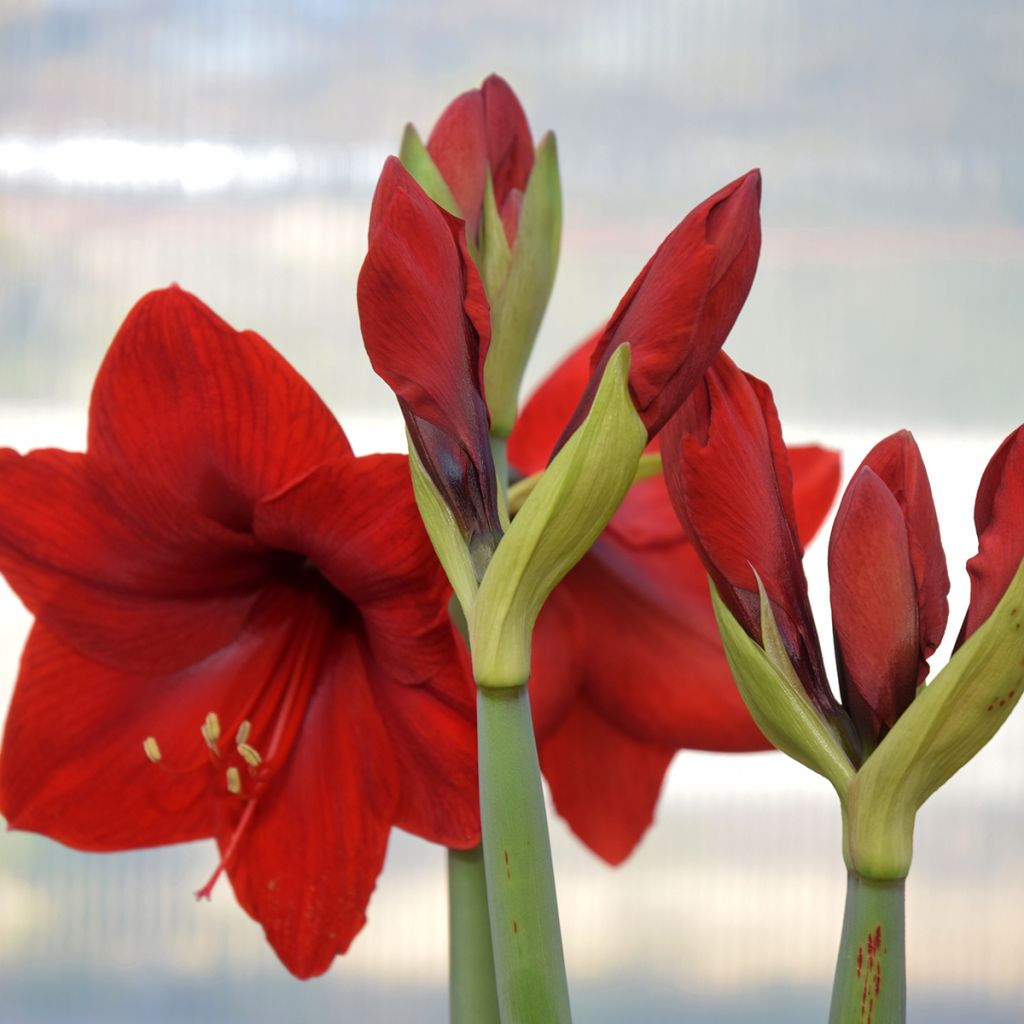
[118, 566]
[509, 142]
[681, 307]
[433, 732]
[73, 766]
[874, 606]
[603, 782]
[998, 513]
[898, 463]
[543, 418]
[211, 414]
[723, 455]
[306, 864]
[458, 145]
[649, 650]
[816, 475]
[357, 521]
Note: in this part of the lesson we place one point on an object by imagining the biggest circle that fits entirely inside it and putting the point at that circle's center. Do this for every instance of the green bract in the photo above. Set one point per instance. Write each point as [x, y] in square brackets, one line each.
[518, 280]
[444, 533]
[776, 698]
[420, 164]
[951, 719]
[563, 516]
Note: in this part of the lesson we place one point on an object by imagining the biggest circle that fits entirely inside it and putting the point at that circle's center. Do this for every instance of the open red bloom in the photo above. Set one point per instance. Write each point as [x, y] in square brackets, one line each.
[730, 483]
[628, 666]
[484, 131]
[220, 584]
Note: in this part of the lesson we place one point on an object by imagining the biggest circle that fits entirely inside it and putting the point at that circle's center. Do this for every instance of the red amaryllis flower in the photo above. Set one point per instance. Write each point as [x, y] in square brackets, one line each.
[426, 325]
[221, 585]
[730, 482]
[682, 305]
[484, 131]
[628, 666]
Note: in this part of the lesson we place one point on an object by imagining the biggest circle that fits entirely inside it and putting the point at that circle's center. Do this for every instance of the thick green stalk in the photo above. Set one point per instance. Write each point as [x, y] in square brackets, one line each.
[473, 996]
[528, 959]
[871, 984]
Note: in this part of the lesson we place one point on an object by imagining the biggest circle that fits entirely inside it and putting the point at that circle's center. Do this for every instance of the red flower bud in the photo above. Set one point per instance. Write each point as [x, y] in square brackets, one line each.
[484, 130]
[889, 585]
[426, 326]
[680, 309]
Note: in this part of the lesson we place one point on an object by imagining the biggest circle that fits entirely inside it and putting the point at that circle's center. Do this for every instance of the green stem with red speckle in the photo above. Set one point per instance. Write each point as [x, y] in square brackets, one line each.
[870, 984]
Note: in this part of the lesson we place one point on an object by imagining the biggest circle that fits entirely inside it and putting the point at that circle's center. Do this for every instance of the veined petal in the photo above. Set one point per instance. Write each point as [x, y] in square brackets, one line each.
[874, 606]
[120, 567]
[356, 520]
[997, 516]
[681, 307]
[306, 863]
[603, 782]
[214, 415]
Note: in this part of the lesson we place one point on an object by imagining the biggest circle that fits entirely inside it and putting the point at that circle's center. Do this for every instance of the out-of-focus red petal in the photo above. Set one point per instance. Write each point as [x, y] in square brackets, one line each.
[543, 418]
[721, 456]
[681, 307]
[509, 142]
[557, 672]
[307, 862]
[458, 145]
[72, 765]
[816, 475]
[118, 566]
[603, 782]
[998, 515]
[898, 463]
[874, 606]
[650, 653]
[214, 415]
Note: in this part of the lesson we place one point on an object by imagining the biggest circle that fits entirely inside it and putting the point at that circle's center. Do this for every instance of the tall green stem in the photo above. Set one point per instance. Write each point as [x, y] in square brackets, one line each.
[473, 996]
[528, 959]
[871, 985]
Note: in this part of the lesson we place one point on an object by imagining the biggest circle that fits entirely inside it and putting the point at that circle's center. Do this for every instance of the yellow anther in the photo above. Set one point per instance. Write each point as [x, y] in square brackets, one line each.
[242, 736]
[250, 755]
[211, 730]
[234, 781]
[152, 749]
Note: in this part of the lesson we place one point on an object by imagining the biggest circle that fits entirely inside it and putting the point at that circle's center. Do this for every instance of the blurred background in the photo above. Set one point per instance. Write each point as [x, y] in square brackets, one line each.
[233, 147]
